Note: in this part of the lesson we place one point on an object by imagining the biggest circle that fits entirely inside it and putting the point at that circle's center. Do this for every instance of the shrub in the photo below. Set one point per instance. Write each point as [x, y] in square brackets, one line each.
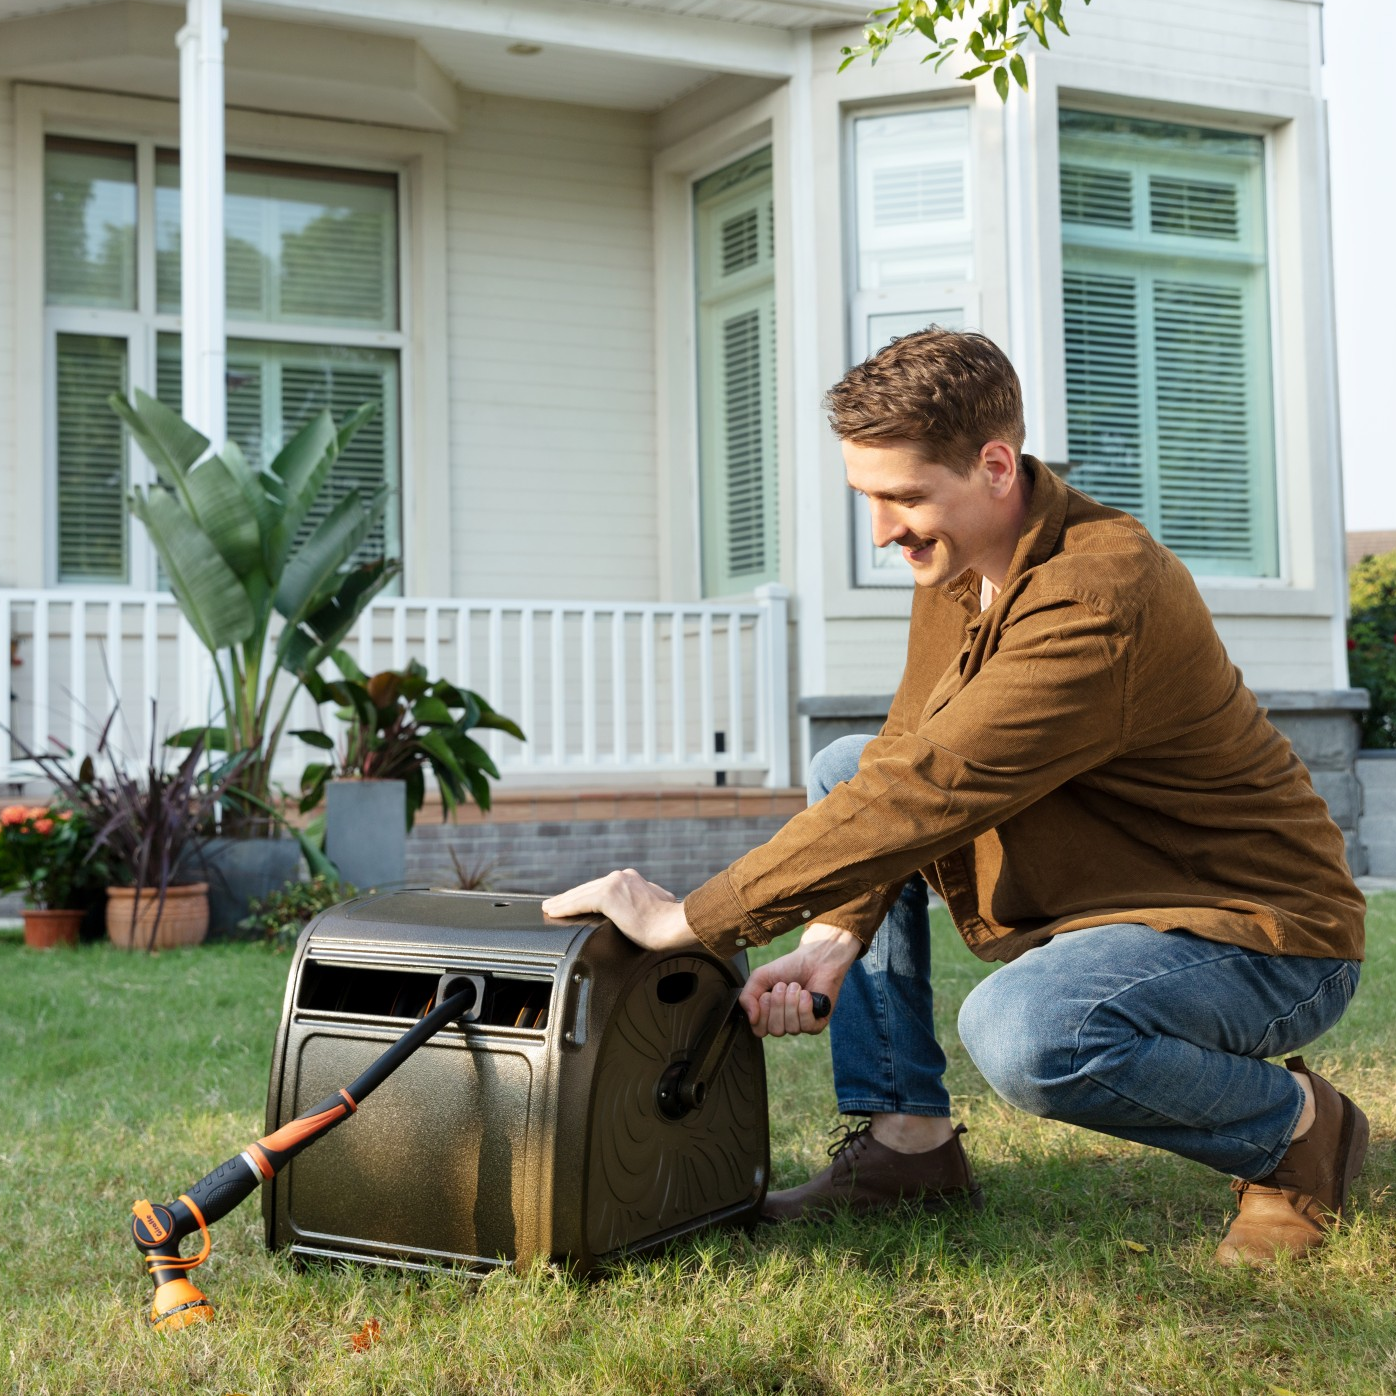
[46, 852]
[281, 917]
[1372, 644]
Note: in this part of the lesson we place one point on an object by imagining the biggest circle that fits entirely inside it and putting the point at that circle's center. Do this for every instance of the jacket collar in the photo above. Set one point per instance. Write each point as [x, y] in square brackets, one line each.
[1042, 530]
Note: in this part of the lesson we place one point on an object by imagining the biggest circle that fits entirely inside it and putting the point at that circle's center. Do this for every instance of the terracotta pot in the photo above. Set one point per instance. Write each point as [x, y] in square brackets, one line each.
[45, 929]
[183, 922]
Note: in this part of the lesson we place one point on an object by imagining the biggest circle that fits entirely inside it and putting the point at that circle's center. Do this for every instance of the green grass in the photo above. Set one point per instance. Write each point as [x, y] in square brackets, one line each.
[129, 1076]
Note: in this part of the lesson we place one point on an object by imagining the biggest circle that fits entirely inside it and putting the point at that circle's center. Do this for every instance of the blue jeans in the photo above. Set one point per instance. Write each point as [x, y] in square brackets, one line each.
[1157, 1037]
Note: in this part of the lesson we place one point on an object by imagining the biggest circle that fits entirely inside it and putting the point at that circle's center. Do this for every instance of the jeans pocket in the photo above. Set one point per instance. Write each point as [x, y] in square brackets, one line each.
[1313, 1016]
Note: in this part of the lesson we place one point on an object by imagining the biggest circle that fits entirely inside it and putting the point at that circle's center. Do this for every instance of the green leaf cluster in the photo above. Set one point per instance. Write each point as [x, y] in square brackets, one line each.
[1372, 645]
[993, 41]
[398, 724]
[226, 536]
[282, 916]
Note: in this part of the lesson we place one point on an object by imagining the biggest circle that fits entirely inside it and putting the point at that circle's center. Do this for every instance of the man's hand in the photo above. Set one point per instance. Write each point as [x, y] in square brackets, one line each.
[777, 998]
[643, 911]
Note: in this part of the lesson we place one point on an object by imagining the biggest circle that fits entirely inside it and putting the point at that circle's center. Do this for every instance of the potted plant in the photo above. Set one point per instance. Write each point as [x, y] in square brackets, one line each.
[148, 830]
[45, 853]
[398, 725]
[226, 536]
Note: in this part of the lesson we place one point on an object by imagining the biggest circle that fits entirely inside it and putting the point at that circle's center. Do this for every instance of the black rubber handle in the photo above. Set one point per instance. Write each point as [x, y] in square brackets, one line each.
[821, 1004]
[217, 1193]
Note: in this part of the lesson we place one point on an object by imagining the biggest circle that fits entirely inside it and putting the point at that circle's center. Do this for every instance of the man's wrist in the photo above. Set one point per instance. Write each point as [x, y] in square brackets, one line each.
[833, 940]
[676, 932]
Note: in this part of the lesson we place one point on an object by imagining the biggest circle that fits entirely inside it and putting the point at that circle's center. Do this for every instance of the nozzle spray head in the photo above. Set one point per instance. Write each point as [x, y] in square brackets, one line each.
[157, 1231]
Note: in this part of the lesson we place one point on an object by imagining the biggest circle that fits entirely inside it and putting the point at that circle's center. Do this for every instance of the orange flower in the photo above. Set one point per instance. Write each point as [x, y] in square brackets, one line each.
[36, 811]
[13, 814]
[66, 815]
[43, 826]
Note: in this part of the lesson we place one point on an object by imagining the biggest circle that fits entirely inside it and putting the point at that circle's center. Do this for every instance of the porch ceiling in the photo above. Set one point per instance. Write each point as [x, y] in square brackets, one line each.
[631, 54]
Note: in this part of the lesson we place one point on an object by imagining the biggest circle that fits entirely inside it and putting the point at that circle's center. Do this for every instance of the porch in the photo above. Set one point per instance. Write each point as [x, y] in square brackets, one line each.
[614, 693]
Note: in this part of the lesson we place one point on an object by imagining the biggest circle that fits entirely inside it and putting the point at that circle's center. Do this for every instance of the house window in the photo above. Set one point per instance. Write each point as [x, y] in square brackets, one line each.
[313, 322]
[1169, 402]
[735, 255]
[914, 258]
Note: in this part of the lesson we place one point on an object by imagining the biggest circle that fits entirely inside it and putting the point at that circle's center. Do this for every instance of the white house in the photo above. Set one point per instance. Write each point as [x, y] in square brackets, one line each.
[598, 260]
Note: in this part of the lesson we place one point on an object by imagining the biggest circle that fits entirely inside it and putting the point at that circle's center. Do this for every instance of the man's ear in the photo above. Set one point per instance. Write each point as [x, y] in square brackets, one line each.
[1001, 461]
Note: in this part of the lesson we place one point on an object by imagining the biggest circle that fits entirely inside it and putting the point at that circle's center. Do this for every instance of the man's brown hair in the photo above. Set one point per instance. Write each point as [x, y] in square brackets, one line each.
[948, 392]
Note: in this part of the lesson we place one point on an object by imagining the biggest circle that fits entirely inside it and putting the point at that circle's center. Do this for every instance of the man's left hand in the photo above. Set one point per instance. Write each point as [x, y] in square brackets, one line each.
[643, 911]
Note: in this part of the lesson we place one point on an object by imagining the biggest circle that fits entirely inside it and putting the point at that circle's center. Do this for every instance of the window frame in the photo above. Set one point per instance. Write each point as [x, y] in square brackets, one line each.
[1143, 258]
[965, 298]
[1303, 398]
[415, 159]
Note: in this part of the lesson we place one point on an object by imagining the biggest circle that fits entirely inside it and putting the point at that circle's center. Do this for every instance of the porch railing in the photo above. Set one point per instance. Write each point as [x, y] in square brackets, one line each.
[599, 688]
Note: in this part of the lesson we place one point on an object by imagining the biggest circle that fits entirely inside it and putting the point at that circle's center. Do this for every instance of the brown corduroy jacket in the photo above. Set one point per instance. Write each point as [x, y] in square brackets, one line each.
[1081, 752]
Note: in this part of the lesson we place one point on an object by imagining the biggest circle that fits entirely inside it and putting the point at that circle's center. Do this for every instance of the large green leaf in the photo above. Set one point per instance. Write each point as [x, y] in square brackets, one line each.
[207, 589]
[306, 646]
[253, 486]
[169, 442]
[219, 506]
[311, 575]
[302, 467]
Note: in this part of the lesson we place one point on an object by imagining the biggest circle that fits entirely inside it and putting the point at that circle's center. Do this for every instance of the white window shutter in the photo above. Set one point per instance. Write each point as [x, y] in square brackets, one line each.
[91, 459]
[737, 377]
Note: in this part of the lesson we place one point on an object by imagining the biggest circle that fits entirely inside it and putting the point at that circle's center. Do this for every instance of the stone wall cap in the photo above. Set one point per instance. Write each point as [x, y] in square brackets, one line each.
[845, 705]
[1315, 700]
[1348, 700]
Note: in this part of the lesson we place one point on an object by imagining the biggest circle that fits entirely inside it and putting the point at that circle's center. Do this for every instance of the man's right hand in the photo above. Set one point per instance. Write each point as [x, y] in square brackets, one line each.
[777, 998]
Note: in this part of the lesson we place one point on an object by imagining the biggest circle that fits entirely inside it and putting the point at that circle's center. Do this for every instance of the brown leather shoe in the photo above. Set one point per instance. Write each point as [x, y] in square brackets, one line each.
[1292, 1210]
[866, 1176]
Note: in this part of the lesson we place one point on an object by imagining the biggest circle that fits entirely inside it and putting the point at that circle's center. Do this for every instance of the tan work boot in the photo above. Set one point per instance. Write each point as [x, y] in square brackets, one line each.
[1292, 1210]
[866, 1176]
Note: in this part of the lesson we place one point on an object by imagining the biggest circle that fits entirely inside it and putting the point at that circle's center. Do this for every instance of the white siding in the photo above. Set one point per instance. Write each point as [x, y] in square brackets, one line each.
[865, 656]
[551, 333]
[1280, 652]
[1272, 652]
[9, 467]
[1256, 41]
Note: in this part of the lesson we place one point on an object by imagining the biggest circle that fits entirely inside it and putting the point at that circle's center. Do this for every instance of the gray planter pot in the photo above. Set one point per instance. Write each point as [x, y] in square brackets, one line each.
[366, 832]
[240, 871]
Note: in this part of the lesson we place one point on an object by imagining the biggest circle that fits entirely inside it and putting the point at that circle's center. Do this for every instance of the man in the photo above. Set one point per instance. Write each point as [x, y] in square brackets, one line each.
[1077, 769]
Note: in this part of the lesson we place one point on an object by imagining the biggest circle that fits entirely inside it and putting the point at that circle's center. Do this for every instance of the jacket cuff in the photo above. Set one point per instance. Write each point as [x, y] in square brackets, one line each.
[719, 920]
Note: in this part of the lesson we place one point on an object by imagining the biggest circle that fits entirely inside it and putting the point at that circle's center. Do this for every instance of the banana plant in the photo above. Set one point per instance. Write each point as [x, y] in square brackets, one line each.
[226, 535]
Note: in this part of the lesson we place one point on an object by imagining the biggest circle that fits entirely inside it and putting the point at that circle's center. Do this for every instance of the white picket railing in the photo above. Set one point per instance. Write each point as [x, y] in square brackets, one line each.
[599, 688]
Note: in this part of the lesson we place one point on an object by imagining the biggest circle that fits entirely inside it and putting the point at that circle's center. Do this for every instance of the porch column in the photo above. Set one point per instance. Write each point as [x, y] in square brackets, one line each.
[201, 160]
[807, 429]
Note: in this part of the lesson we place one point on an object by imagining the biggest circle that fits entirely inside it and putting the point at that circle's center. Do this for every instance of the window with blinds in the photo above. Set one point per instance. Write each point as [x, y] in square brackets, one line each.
[736, 376]
[1166, 317]
[914, 258]
[312, 298]
[274, 389]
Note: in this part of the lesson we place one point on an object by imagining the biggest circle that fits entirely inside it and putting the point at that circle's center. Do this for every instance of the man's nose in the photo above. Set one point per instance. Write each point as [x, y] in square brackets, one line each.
[885, 528]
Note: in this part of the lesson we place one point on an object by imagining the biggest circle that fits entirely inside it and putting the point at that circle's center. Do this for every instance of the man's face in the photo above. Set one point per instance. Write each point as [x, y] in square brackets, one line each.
[944, 522]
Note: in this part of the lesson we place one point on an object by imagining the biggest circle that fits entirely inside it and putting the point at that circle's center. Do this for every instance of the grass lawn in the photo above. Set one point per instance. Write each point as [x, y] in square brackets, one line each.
[1090, 1271]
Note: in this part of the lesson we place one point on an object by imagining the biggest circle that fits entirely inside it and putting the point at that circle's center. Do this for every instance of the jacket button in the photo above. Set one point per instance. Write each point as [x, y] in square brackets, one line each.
[740, 942]
[805, 915]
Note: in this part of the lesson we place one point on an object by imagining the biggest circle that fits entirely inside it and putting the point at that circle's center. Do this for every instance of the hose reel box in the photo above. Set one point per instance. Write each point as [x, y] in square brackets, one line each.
[596, 1099]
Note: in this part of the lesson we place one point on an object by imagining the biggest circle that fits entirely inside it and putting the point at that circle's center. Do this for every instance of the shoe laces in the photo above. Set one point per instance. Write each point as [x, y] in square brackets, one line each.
[851, 1137]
